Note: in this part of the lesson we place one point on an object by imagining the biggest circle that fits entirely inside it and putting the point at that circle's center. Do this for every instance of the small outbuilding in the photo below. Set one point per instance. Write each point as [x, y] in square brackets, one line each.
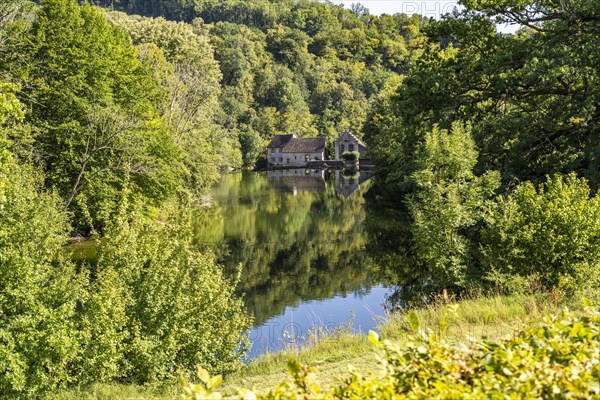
[289, 150]
[346, 141]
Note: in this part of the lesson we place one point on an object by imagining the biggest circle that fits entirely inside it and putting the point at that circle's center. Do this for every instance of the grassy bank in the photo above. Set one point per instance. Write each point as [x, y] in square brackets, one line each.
[459, 322]
[491, 317]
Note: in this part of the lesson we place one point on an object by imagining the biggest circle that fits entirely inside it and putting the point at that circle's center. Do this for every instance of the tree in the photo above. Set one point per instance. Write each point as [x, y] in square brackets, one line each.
[80, 72]
[192, 81]
[449, 204]
[11, 12]
[109, 132]
[530, 97]
[178, 309]
[38, 290]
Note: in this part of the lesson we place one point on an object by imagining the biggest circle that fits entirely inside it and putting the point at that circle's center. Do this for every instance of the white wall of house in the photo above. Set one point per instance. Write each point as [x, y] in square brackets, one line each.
[292, 159]
[346, 143]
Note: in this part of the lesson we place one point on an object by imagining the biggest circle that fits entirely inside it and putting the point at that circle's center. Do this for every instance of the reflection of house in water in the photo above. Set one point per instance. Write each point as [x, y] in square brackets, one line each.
[297, 180]
[347, 185]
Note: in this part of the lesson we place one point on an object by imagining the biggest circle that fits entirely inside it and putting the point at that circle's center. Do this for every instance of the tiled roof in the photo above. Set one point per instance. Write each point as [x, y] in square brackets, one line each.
[304, 145]
[279, 141]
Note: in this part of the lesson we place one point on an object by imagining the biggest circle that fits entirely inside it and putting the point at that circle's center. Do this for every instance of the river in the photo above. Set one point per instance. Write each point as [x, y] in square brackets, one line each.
[314, 253]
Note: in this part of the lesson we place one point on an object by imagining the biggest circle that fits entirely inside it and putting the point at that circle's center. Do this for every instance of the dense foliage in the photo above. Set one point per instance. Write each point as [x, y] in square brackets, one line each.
[159, 305]
[557, 359]
[150, 306]
[109, 95]
[476, 123]
[449, 204]
[111, 123]
[38, 333]
[551, 231]
[85, 143]
[531, 97]
[304, 67]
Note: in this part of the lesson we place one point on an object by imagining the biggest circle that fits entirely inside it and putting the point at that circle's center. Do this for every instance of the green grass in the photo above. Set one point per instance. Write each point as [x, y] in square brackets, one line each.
[330, 355]
[492, 317]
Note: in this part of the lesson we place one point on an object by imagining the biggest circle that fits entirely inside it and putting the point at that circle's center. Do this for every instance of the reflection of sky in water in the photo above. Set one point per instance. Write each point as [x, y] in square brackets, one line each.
[291, 328]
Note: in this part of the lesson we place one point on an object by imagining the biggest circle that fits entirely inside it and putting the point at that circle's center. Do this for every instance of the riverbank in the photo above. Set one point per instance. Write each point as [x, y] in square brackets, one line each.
[458, 322]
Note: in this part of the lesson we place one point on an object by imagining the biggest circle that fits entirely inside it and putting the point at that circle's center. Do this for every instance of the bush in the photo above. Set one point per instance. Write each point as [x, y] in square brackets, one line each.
[350, 155]
[39, 340]
[552, 231]
[449, 205]
[170, 306]
[150, 306]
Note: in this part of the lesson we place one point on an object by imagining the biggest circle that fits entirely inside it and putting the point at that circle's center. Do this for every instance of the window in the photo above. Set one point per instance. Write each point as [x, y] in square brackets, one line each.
[280, 159]
[287, 160]
[350, 147]
[341, 149]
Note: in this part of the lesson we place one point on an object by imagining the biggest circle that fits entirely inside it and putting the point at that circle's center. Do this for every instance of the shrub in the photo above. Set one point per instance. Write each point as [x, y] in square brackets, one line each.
[149, 306]
[552, 231]
[560, 356]
[39, 341]
[350, 174]
[174, 307]
[350, 155]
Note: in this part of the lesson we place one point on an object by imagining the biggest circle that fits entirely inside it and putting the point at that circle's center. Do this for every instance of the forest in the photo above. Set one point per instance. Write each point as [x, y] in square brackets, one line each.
[116, 117]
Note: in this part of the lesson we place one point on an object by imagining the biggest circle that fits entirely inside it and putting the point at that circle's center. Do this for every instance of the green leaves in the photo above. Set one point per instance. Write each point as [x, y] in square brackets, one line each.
[93, 105]
[530, 97]
[180, 311]
[552, 231]
[10, 107]
[449, 203]
[39, 290]
[301, 67]
[413, 319]
[204, 390]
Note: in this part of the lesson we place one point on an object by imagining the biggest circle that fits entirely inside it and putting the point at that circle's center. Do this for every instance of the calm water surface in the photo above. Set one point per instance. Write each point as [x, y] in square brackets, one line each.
[314, 254]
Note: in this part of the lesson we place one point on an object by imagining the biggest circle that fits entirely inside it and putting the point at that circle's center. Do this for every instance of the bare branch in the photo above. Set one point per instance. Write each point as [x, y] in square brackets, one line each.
[108, 130]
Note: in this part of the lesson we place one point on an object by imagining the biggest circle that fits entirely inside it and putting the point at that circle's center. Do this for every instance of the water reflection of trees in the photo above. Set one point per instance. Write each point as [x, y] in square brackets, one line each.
[391, 251]
[310, 245]
[392, 248]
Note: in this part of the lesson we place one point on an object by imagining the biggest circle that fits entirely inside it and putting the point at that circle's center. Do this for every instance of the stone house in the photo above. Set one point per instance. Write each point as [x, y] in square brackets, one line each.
[348, 142]
[289, 150]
